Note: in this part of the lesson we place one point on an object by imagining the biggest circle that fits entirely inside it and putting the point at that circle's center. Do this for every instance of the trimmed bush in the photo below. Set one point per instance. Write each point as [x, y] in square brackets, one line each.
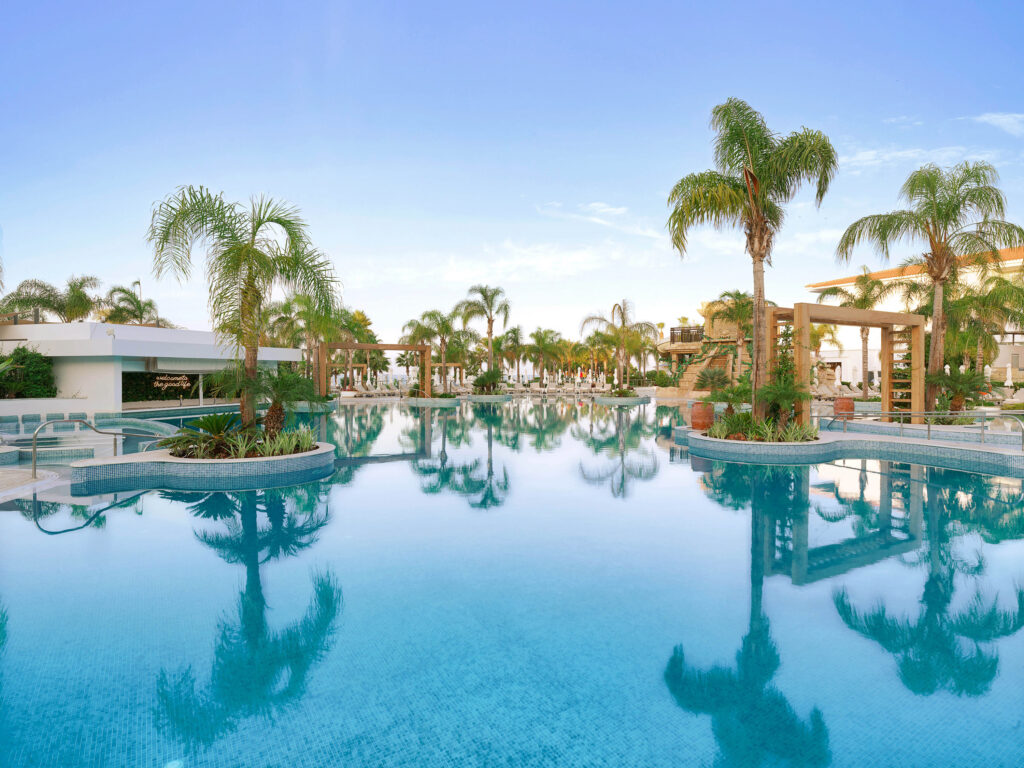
[31, 375]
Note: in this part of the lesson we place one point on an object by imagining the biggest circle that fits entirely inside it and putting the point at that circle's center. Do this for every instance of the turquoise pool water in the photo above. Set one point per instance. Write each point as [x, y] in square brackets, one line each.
[522, 585]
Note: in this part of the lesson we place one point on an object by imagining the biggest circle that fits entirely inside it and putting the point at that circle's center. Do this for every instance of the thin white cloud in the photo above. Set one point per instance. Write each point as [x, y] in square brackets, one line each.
[859, 159]
[603, 215]
[1011, 122]
[603, 209]
[903, 120]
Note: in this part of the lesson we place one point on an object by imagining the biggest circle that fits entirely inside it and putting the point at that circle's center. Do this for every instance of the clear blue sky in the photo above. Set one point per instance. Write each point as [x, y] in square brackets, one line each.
[433, 145]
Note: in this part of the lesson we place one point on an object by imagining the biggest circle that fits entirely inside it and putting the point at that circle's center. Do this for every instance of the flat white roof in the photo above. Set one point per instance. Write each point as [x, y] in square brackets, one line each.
[127, 341]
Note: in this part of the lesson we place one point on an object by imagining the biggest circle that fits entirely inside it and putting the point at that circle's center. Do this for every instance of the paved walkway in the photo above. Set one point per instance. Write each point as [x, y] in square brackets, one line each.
[17, 481]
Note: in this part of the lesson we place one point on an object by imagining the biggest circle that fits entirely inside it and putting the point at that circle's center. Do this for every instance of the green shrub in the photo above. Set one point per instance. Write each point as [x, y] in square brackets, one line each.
[623, 392]
[488, 382]
[220, 436]
[712, 379]
[29, 374]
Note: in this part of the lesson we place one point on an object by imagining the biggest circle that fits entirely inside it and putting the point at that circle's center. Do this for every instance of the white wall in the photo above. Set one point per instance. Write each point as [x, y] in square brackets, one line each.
[96, 380]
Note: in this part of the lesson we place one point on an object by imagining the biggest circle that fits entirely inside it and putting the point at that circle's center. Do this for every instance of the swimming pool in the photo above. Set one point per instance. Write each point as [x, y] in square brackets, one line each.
[549, 584]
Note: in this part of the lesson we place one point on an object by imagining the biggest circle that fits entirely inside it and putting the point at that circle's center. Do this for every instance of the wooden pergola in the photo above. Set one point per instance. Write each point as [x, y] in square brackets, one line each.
[902, 337]
[324, 349]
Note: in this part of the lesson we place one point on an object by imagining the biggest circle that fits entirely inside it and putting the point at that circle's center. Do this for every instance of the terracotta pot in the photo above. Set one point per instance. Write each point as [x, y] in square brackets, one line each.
[842, 408]
[702, 416]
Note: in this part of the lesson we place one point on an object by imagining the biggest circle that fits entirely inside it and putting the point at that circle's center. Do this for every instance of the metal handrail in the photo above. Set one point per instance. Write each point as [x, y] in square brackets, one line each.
[35, 436]
[982, 416]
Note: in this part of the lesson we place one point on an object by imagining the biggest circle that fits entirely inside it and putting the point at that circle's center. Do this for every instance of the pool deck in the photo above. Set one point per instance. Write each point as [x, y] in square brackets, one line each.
[16, 482]
[987, 458]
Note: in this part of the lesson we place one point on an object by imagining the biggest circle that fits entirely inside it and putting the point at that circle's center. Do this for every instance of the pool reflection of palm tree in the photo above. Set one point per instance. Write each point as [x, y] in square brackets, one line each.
[752, 721]
[941, 649]
[256, 670]
[620, 438]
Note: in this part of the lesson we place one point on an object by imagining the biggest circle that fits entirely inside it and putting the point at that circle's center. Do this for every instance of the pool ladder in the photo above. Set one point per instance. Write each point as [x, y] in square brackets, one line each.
[115, 435]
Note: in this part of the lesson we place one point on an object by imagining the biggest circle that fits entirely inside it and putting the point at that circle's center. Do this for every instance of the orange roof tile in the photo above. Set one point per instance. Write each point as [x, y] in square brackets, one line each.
[1005, 255]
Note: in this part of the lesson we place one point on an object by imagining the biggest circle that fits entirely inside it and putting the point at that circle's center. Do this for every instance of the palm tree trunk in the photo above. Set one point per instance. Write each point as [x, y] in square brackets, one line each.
[759, 374]
[444, 366]
[937, 347]
[980, 359]
[247, 406]
[490, 344]
[738, 370]
[864, 360]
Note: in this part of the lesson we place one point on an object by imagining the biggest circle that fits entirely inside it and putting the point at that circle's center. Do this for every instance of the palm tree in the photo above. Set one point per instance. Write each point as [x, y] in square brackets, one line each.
[737, 308]
[957, 213]
[248, 252]
[543, 347]
[513, 347]
[757, 173]
[619, 326]
[124, 305]
[73, 302]
[488, 303]
[435, 327]
[867, 293]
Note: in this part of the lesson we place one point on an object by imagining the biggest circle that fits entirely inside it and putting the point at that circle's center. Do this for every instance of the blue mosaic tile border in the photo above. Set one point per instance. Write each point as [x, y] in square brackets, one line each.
[235, 475]
[949, 457]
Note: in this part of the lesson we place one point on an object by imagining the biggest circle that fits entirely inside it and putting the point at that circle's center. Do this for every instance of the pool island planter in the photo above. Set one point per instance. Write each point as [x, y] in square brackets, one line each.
[623, 402]
[433, 402]
[489, 398]
[158, 470]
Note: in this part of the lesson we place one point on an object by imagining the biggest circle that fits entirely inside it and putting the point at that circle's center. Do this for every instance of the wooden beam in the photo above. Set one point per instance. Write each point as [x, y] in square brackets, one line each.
[886, 358]
[802, 358]
[872, 318]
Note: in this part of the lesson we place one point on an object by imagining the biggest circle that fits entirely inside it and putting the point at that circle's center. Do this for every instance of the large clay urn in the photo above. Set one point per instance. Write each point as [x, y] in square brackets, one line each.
[842, 408]
[702, 416]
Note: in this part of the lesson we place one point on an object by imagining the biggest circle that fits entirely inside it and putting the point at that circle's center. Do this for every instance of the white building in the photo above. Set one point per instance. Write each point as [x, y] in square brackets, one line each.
[89, 360]
[1011, 347]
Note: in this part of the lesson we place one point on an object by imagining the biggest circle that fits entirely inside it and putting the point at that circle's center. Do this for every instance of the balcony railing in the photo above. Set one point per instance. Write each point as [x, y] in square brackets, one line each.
[687, 334]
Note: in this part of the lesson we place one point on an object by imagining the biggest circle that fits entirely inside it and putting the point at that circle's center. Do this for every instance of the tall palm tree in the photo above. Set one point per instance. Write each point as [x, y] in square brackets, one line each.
[620, 327]
[435, 327]
[600, 347]
[487, 303]
[248, 252]
[757, 172]
[543, 348]
[514, 348]
[867, 293]
[73, 302]
[957, 213]
[736, 308]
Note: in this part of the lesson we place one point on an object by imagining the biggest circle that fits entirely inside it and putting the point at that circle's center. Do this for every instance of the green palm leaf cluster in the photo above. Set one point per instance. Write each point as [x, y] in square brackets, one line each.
[75, 301]
[757, 172]
[488, 304]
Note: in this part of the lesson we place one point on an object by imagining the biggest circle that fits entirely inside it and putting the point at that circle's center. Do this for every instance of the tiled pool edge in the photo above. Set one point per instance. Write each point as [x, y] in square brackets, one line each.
[834, 446]
[159, 470]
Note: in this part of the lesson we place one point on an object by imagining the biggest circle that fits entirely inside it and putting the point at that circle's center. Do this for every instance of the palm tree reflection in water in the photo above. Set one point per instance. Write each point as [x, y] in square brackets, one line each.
[620, 435]
[256, 670]
[752, 721]
[942, 649]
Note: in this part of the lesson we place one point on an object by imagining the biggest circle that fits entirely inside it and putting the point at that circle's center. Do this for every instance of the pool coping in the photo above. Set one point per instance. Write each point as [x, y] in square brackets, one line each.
[831, 446]
[153, 470]
[621, 401]
[433, 402]
[503, 398]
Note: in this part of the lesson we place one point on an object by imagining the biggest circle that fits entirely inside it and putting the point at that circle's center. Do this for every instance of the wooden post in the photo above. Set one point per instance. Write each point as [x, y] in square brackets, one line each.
[802, 358]
[886, 358]
[917, 372]
[321, 368]
[425, 358]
